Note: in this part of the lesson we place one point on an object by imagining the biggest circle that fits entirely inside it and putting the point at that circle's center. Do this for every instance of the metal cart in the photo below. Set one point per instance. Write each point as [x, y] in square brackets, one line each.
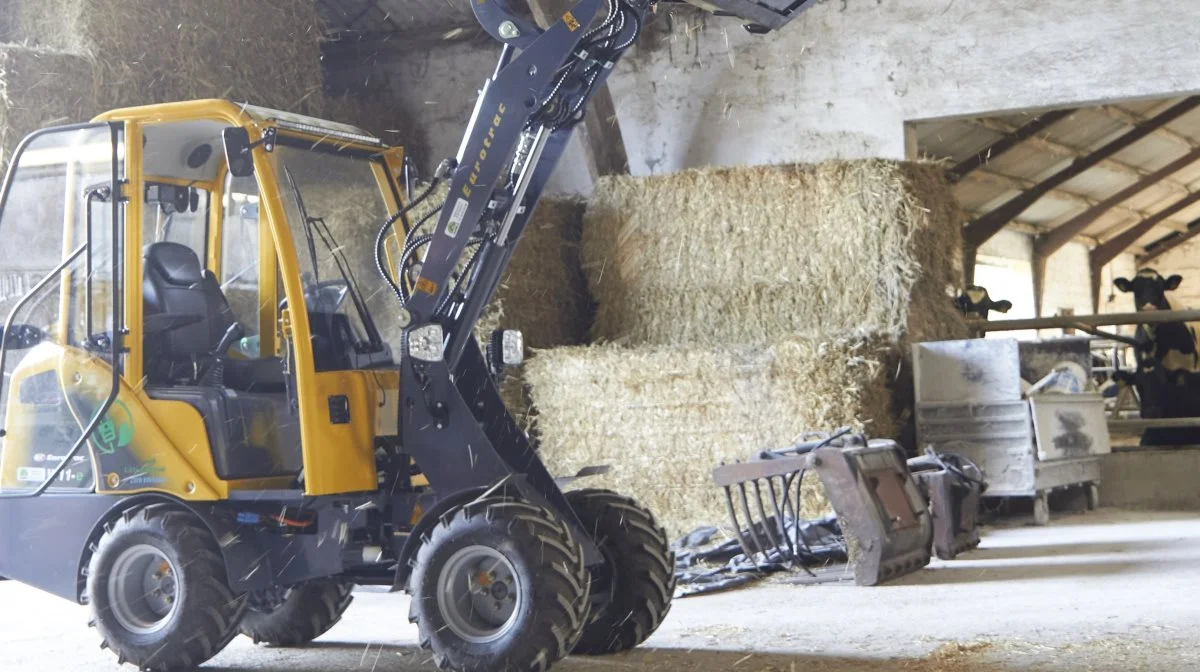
[969, 401]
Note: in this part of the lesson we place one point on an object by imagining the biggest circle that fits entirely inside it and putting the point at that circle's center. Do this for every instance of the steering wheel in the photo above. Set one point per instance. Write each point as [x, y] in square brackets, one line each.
[326, 296]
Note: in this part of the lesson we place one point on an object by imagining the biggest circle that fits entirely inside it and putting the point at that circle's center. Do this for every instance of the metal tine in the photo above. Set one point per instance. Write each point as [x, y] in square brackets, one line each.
[750, 519]
[779, 520]
[737, 526]
[769, 530]
[799, 478]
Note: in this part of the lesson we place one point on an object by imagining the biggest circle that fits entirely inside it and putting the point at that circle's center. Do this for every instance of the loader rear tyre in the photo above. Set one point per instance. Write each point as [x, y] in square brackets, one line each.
[158, 592]
[499, 584]
[296, 615]
[640, 582]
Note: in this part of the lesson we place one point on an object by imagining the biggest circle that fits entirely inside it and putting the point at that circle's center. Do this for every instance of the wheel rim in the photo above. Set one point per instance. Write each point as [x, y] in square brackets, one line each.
[143, 589]
[479, 595]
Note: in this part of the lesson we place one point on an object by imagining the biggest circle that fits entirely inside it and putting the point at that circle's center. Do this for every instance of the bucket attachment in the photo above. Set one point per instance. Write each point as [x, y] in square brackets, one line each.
[952, 485]
[760, 16]
[881, 513]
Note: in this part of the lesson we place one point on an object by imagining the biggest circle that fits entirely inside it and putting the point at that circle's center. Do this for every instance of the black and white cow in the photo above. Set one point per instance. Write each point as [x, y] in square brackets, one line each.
[1168, 361]
[975, 302]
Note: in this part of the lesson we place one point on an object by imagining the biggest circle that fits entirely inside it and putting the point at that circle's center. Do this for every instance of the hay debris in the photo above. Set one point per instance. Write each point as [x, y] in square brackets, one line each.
[665, 417]
[751, 255]
[39, 88]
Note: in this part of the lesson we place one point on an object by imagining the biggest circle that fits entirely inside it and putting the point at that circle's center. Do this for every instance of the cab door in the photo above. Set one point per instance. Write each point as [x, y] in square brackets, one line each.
[61, 217]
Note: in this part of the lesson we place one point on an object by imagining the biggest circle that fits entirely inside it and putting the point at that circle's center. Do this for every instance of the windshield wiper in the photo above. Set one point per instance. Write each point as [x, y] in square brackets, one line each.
[339, 259]
[312, 245]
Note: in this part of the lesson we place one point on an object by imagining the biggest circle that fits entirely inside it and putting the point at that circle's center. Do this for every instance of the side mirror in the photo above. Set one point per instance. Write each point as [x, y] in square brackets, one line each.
[22, 337]
[237, 151]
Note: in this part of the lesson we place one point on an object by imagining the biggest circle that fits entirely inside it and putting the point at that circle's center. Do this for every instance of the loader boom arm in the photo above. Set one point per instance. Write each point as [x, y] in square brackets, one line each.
[452, 420]
[522, 121]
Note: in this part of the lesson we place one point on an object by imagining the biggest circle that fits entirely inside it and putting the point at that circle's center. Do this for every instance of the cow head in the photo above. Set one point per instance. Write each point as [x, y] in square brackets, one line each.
[1149, 289]
[975, 302]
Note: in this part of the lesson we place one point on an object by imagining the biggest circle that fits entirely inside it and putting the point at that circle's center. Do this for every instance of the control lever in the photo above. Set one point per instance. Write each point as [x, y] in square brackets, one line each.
[234, 333]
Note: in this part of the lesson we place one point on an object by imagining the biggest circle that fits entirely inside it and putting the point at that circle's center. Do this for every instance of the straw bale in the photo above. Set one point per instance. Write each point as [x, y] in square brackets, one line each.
[665, 417]
[38, 88]
[750, 255]
[155, 51]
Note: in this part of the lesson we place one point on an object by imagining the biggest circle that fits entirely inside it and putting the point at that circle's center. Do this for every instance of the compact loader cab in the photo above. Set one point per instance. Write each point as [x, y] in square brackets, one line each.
[197, 265]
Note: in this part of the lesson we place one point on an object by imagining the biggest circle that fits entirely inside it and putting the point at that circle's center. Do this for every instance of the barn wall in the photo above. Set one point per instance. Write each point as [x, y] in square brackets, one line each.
[1184, 260]
[437, 88]
[841, 80]
[1068, 279]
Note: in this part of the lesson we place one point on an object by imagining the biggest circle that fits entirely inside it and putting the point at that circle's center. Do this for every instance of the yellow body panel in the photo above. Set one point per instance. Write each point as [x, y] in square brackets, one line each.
[133, 454]
[341, 458]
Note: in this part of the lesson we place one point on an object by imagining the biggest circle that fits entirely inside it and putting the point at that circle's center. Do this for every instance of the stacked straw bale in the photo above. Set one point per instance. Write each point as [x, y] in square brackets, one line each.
[751, 255]
[665, 417]
[743, 307]
[156, 51]
[140, 52]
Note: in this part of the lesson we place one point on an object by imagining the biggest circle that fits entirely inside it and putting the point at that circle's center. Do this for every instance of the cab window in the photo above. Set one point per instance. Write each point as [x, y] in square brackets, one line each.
[176, 214]
[239, 250]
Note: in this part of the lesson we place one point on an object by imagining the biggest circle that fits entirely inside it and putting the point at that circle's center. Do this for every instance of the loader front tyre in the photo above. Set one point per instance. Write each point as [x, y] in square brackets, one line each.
[499, 584]
[296, 615]
[639, 583]
[158, 592]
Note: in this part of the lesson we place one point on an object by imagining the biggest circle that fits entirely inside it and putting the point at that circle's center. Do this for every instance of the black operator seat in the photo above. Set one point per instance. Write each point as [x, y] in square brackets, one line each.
[176, 284]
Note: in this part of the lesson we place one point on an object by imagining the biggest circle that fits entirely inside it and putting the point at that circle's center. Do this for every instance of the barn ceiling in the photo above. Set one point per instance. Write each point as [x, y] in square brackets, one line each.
[1141, 195]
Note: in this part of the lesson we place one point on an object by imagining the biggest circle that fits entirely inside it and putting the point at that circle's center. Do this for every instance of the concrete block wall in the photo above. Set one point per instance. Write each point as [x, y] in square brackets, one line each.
[1185, 261]
[1151, 479]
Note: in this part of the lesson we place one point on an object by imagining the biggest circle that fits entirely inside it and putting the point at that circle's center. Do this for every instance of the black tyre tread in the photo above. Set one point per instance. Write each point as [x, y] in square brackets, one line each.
[216, 610]
[561, 593]
[308, 612]
[645, 565]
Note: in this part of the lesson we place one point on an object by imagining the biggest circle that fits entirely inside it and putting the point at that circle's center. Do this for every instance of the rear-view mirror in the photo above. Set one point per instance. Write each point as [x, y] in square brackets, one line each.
[237, 151]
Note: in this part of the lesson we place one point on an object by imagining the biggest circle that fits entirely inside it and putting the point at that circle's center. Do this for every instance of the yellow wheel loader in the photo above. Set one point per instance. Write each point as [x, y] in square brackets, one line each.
[223, 405]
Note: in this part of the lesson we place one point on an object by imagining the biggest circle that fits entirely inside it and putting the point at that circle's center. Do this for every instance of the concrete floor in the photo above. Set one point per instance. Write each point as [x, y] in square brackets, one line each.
[1110, 590]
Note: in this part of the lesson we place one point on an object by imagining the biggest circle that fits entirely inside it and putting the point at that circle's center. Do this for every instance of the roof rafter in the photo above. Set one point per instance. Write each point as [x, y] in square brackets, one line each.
[989, 225]
[1054, 240]
[1022, 184]
[1011, 138]
[1109, 250]
[1169, 242]
[1072, 152]
[1133, 119]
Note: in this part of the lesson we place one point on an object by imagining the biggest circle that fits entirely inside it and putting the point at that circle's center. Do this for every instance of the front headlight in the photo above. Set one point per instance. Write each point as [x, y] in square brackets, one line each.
[426, 343]
[512, 347]
[505, 348]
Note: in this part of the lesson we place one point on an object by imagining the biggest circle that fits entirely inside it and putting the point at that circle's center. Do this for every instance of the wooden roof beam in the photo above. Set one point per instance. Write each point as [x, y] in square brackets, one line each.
[1054, 240]
[1109, 250]
[987, 226]
[1133, 119]
[1167, 243]
[1071, 152]
[1011, 138]
[1021, 184]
